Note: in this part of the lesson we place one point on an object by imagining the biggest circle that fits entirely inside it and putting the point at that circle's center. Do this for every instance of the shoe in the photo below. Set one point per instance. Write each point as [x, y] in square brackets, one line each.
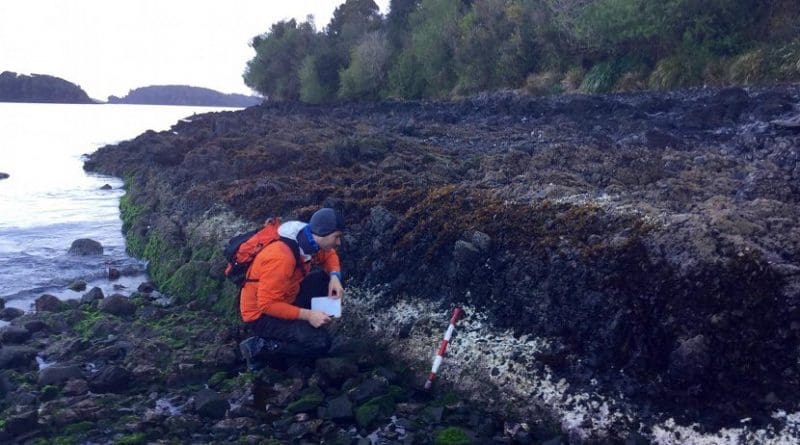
[250, 349]
[255, 351]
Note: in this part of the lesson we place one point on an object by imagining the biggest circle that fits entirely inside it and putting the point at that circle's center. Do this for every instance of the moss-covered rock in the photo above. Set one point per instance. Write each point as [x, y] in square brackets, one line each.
[308, 402]
[452, 436]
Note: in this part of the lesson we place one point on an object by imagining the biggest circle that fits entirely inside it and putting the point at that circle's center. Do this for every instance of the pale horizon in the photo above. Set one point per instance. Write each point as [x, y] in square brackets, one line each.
[109, 47]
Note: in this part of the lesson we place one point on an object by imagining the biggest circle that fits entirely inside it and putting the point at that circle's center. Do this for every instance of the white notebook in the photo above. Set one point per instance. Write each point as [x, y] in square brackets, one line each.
[331, 306]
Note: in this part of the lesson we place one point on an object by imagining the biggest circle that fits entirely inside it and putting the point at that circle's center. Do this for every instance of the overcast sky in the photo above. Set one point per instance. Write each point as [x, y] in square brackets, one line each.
[112, 46]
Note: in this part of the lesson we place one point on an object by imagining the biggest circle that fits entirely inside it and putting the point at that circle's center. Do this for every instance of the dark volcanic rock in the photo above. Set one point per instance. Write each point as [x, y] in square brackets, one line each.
[208, 403]
[93, 295]
[77, 286]
[338, 408]
[117, 305]
[48, 303]
[22, 423]
[85, 247]
[56, 375]
[10, 313]
[367, 390]
[14, 357]
[336, 369]
[110, 379]
[14, 335]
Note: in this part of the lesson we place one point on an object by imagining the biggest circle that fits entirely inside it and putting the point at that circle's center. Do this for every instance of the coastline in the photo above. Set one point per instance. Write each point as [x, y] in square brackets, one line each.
[598, 242]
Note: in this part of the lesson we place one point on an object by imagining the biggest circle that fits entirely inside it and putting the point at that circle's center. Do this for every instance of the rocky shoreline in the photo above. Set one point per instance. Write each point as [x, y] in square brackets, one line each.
[634, 256]
[134, 369]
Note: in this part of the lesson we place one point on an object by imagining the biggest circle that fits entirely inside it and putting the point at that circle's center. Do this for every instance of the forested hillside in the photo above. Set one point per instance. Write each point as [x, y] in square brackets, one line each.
[40, 88]
[446, 48]
[183, 95]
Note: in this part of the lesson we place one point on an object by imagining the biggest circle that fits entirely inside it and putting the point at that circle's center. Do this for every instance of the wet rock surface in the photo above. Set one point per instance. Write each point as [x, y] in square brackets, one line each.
[108, 379]
[652, 238]
[85, 247]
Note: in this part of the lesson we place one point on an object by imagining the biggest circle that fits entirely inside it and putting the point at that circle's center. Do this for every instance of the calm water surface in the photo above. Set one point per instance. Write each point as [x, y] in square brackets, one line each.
[49, 201]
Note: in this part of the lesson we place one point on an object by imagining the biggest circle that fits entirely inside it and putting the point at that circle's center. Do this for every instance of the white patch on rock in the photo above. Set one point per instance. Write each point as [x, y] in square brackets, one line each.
[476, 349]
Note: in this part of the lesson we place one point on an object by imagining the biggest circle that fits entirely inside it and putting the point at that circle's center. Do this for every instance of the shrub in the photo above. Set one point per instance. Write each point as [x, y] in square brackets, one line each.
[543, 83]
[750, 67]
[631, 81]
[573, 79]
[675, 72]
[600, 78]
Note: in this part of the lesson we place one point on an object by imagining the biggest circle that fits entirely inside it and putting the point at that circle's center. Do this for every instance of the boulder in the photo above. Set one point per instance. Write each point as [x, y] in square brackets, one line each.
[13, 357]
[338, 408]
[77, 286]
[14, 335]
[3, 175]
[369, 389]
[85, 247]
[113, 273]
[76, 387]
[22, 423]
[336, 369]
[106, 187]
[208, 403]
[56, 375]
[48, 303]
[10, 313]
[110, 379]
[2, 303]
[93, 295]
[117, 305]
[34, 326]
[146, 287]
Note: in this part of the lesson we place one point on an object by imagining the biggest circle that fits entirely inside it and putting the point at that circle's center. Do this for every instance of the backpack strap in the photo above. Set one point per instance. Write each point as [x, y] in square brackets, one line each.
[298, 261]
[296, 251]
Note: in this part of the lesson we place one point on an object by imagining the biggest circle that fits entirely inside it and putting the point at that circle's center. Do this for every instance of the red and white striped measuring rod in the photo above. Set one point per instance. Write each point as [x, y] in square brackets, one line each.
[437, 361]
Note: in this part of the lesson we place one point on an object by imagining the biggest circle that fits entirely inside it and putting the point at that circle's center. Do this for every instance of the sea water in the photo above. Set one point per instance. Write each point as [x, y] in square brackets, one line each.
[48, 201]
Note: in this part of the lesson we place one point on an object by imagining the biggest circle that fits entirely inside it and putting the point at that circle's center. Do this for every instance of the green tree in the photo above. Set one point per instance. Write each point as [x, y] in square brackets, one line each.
[427, 62]
[365, 76]
[353, 19]
[499, 44]
[658, 27]
[397, 21]
[274, 71]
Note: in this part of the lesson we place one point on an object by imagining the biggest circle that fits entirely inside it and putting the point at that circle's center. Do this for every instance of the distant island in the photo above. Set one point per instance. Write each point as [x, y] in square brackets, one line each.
[184, 95]
[40, 88]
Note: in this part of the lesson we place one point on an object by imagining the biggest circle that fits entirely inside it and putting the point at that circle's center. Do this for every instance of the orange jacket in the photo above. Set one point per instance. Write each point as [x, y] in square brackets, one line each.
[278, 283]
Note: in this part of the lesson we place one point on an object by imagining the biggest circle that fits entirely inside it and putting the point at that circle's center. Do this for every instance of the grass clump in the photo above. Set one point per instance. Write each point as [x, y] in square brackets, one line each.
[452, 435]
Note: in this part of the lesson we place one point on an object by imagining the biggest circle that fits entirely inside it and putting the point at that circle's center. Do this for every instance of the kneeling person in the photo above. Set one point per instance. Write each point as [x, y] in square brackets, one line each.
[276, 297]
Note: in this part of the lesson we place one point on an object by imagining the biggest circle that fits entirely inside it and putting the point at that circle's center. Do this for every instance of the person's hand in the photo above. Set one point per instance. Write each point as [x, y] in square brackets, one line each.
[335, 289]
[317, 318]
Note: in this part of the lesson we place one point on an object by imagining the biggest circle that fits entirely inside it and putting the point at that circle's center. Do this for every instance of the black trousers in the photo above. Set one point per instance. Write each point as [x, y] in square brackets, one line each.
[297, 337]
